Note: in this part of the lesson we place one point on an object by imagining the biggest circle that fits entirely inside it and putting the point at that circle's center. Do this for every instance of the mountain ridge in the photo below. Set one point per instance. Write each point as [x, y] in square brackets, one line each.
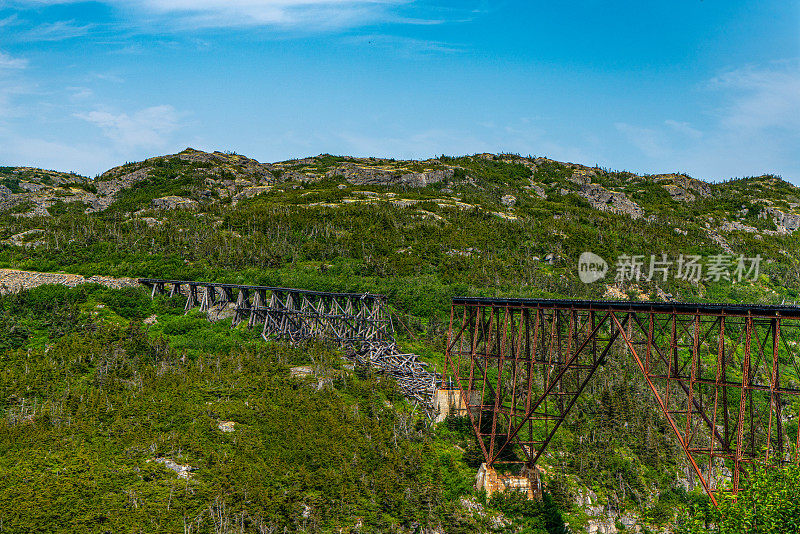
[223, 175]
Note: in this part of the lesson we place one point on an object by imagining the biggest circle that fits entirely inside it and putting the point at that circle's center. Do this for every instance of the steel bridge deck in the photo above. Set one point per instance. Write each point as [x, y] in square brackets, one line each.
[706, 308]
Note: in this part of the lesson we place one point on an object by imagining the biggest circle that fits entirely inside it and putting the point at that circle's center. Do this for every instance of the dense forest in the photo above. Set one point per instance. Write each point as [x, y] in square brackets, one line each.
[124, 414]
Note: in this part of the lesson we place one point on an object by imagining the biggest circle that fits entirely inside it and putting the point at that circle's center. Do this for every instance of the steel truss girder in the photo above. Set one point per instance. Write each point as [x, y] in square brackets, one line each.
[722, 378]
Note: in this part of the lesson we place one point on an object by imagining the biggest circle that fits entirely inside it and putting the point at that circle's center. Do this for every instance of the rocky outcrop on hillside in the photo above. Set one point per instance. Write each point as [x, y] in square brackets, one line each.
[173, 202]
[215, 165]
[107, 190]
[12, 280]
[230, 166]
[365, 175]
[786, 222]
[29, 178]
[603, 199]
[683, 188]
[582, 176]
[38, 187]
[226, 173]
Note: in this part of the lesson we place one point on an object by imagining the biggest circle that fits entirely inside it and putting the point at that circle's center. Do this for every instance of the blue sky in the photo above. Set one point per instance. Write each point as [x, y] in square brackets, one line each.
[706, 87]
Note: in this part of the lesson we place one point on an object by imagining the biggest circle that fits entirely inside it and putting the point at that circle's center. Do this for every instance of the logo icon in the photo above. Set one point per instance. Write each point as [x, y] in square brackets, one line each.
[591, 267]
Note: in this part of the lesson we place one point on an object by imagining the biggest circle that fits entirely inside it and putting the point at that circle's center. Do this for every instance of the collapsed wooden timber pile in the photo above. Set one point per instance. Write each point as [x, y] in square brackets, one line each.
[411, 375]
[359, 323]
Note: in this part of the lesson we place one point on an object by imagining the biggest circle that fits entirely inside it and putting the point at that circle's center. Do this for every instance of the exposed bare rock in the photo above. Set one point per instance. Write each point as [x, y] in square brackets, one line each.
[221, 312]
[113, 283]
[366, 175]
[219, 169]
[786, 222]
[226, 426]
[233, 165]
[183, 471]
[43, 176]
[537, 190]
[150, 221]
[23, 235]
[115, 185]
[25, 238]
[733, 226]
[31, 188]
[39, 210]
[603, 199]
[12, 280]
[108, 188]
[173, 202]
[506, 216]
[683, 188]
[582, 176]
[508, 200]
[719, 240]
[614, 292]
[251, 192]
[678, 193]
[302, 371]
[294, 176]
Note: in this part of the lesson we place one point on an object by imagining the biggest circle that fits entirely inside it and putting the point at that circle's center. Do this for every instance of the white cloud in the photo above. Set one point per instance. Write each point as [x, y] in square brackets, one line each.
[9, 62]
[9, 21]
[121, 137]
[107, 77]
[296, 14]
[57, 31]
[404, 46]
[648, 140]
[765, 97]
[148, 128]
[11, 84]
[684, 128]
[80, 93]
[754, 128]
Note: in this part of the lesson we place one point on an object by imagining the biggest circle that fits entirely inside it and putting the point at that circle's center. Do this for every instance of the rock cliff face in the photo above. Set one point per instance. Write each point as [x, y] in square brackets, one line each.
[605, 200]
[786, 222]
[683, 188]
[363, 175]
[231, 165]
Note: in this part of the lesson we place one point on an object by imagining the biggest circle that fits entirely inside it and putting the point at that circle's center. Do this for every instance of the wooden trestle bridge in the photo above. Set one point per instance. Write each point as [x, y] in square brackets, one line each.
[359, 323]
[725, 377]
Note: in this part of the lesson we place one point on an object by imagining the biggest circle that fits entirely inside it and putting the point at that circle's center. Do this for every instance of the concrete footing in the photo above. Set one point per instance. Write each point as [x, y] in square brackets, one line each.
[526, 482]
[449, 402]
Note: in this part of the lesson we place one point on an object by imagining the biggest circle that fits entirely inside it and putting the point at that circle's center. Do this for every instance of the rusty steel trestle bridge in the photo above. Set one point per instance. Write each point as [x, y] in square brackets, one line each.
[726, 378]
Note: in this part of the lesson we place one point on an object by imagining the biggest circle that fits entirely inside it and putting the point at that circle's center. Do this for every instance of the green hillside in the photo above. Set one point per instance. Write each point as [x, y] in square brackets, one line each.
[95, 399]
